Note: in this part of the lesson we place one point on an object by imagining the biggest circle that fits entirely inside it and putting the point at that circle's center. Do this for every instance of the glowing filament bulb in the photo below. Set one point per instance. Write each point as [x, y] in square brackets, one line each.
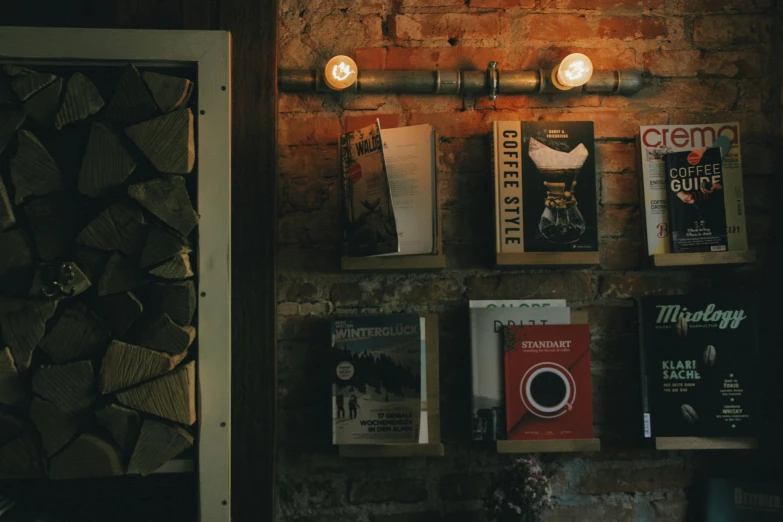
[575, 70]
[340, 72]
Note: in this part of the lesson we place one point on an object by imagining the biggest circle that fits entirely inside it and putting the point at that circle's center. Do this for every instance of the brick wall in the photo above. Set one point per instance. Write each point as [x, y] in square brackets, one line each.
[711, 59]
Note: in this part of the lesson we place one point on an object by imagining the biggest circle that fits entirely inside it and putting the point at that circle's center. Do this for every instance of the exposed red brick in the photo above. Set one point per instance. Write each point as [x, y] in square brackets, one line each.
[459, 57]
[503, 4]
[602, 58]
[598, 512]
[721, 5]
[619, 189]
[308, 129]
[365, 102]
[681, 94]
[632, 27]
[733, 64]
[756, 157]
[673, 63]
[732, 29]
[430, 103]
[629, 478]
[449, 25]
[307, 161]
[432, 3]
[620, 222]
[388, 121]
[615, 157]
[516, 101]
[453, 125]
[611, 124]
[637, 284]
[604, 4]
[621, 254]
[293, 102]
[666, 510]
[573, 285]
[373, 27]
[372, 58]
[557, 27]
[471, 155]
[755, 123]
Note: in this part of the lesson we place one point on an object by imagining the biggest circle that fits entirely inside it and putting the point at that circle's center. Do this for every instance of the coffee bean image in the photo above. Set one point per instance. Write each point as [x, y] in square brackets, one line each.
[689, 413]
[709, 355]
[682, 326]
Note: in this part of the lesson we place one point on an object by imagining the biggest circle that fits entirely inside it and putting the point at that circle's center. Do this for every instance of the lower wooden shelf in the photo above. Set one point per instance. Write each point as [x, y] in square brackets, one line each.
[422, 262]
[172, 466]
[548, 446]
[392, 450]
[705, 258]
[547, 258]
[706, 443]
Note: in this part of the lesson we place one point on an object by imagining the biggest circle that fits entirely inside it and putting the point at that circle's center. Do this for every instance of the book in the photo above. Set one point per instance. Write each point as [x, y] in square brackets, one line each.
[735, 500]
[545, 196]
[697, 208]
[369, 226]
[548, 385]
[486, 349]
[410, 155]
[698, 358]
[377, 379]
[655, 141]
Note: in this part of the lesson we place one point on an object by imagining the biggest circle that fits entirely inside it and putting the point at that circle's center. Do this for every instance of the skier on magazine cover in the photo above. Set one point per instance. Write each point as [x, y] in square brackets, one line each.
[340, 406]
[353, 406]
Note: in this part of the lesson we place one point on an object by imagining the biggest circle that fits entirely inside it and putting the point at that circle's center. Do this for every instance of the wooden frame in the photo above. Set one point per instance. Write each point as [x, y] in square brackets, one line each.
[705, 258]
[434, 446]
[547, 258]
[706, 443]
[210, 52]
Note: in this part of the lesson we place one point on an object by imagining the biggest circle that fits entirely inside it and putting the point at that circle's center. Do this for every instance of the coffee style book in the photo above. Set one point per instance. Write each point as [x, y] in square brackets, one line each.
[378, 374]
[548, 383]
[737, 500]
[699, 356]
[697, 208]
[545, 195]
[654, 142]
[486, 348]
[369, 224]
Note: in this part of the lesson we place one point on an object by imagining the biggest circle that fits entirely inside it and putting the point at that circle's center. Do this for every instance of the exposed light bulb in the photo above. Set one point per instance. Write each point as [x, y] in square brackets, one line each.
[340, 72]
[575, 70]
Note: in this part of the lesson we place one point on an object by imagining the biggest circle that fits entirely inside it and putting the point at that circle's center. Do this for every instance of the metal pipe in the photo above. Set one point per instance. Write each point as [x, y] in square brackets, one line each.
[491, 82]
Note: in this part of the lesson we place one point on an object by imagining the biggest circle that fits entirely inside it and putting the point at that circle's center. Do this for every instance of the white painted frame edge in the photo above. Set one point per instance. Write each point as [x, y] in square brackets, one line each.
[211, 52]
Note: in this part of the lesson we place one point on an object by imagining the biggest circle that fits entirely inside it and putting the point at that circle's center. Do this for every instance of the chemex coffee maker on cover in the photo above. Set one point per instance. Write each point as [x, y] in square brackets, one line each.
[561, 221]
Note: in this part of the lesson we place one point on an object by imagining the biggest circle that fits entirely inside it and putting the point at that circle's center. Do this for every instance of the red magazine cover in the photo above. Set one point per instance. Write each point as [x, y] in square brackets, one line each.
[548, 389]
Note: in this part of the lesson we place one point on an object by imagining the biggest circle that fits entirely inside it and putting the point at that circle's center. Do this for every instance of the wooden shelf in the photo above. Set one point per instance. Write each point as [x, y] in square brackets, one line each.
[422, 262]
[706, 443]
[548, 446]
[547, 258]
[705, 258]
[392, 450]
[172, 466]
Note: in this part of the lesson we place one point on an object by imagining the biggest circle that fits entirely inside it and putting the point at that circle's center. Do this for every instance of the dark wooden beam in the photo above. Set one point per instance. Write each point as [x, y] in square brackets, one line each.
[253, 25]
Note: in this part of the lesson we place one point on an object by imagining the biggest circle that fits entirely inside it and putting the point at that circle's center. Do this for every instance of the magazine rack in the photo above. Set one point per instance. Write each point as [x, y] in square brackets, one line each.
[553, 446]
[547, 259]
[434, 447]
[706, 443]
[705, 258]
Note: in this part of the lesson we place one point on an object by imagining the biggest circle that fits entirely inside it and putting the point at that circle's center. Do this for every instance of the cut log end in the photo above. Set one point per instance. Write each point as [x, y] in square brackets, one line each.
[169, 92]
[82, 99]
[55, 427]
[132, 101]
[77, 334]
[88, 456]
[164, 335]
[119, 276]
[168, 199]
[120, 227]
[59, 280]
[69, 386]
[158, 443]
[178, 267]
[33, 171]
[21, 458]
[11, 389]
[167, 141]
[119, 312]
[122, 423]
[171, 397]
[23, 323]
[126, 365]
